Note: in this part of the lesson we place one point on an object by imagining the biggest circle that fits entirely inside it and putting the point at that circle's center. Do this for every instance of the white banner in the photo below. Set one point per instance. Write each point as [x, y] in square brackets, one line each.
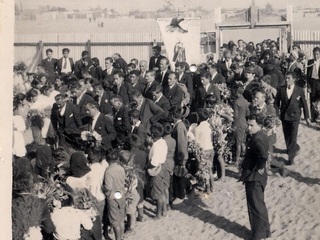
[181, 38]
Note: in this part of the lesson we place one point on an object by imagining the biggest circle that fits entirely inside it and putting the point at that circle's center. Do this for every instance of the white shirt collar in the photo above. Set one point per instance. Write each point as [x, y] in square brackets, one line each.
[158, 99]
[80, 97]
[94, 121]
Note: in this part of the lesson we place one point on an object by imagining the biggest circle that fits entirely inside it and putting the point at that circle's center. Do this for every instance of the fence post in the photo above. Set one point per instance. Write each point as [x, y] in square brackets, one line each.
[88, 46]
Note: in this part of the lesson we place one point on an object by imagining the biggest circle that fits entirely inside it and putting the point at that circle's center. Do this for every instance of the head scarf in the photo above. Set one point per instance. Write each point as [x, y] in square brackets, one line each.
[78, 164]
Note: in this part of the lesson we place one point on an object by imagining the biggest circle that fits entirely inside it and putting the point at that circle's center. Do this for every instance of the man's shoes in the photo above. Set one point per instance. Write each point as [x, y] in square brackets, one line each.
[177, 201]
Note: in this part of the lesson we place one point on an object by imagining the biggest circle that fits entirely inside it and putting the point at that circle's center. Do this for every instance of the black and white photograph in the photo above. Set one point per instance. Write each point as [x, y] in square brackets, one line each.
[160, 120]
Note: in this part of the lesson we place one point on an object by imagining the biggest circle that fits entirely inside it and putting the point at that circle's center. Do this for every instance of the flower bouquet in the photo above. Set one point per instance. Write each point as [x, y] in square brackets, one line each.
[221, 124]
[50, 190]
[83, 199]
[91, 139]
[224, 91]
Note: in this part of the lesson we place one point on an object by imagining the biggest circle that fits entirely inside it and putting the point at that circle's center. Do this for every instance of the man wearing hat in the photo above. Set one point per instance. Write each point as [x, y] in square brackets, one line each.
[79, 65]
[65, 64]
[154, 63]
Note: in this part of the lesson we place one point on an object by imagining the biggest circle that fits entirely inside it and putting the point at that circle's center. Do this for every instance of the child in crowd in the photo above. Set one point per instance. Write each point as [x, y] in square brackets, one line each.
[114, 182]
[241, 111]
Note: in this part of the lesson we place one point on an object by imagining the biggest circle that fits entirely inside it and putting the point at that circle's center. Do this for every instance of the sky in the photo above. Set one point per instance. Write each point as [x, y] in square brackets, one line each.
[145, 5]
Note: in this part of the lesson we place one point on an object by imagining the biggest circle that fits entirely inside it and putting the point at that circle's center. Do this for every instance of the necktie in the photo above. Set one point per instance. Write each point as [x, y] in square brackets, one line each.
[65, 63]
[118, 89]
[148, 86]
[289, 86]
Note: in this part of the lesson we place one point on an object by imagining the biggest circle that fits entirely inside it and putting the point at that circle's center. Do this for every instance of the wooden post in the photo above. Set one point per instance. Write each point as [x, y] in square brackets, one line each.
[88, 46]
[217, 21]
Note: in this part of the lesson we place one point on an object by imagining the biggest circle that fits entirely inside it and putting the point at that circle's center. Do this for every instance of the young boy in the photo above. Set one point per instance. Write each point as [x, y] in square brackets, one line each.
[241, 111]
[114, 180]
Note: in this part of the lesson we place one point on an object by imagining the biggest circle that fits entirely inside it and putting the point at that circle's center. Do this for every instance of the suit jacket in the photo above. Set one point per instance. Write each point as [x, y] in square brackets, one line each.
[174, 95]
[60, 62]
[165, 106]
[125, 92]
[153, 63]
[186, 79]
[104, 106]
[179, 133]
[256, 158]
[122, 63]
[108, 77]
[310, 70]
[147, 92]
[201, 94]
[163, 82]
[149, 113]
[218, 79]
[223, 70]
[290, 109]
[78, 67]
[105, 128]
[141, 132]
[70, 122]
[139, 87]
[97, 73]
[121, 123]
[50, 66]
[86, 98]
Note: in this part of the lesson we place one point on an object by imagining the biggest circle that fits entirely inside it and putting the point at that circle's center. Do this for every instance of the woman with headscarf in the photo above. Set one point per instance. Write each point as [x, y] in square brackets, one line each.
[96, 71]
[81, 179]
[44, 166]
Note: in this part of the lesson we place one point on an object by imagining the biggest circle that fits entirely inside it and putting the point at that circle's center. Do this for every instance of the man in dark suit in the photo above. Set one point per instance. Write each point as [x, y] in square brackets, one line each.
[101, 124]
[149, 111]
[254, 176]
[225, 64]
[162, 75]
[173, 92]
[102, 97]
[216, 78]
[50, 66]
[143, 66]
[122, 88]
[138, 128]
[65, 65]
[108, 78]
[80, 99]
[313, 78]
[290, 99]
[134, 77]
[204, 90]
[151, 84]
[154, 63]
[184, 78]
[66, 121]
[121, 120]
[162, 102]
[119, 61]
[79, 65]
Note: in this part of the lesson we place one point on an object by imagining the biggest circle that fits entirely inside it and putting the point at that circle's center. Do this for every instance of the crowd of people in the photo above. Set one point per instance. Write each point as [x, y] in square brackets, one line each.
[90, 145]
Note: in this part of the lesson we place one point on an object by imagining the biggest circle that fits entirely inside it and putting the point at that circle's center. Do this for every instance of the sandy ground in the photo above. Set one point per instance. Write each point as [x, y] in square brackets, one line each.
[293, 203]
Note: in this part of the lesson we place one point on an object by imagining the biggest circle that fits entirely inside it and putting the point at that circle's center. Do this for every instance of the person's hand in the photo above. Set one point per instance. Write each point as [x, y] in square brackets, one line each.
[309, 90]
[261, 171]
[308, 121]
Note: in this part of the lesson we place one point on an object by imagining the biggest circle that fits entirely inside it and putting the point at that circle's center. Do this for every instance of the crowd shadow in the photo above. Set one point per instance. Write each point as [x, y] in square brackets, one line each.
[195, 208]
[280, 151]
[313, 126]
[299, 178]
[232, 174]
